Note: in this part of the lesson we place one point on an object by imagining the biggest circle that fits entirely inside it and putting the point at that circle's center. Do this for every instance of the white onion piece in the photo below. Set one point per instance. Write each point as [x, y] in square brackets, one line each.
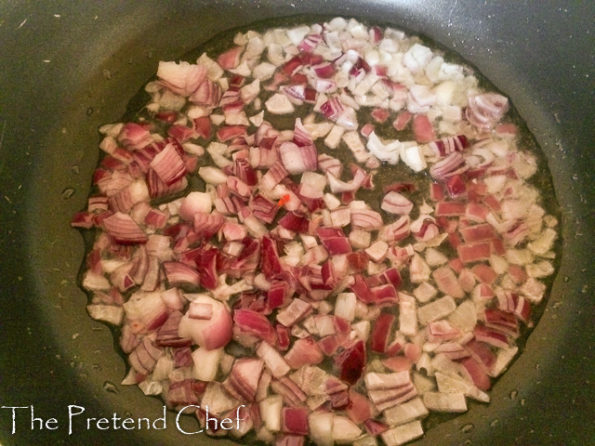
[107, 313]
[533, 289]
[214, 71]
[407, 315]
[544, 242]
[257, 119]
[150, 387]
[217, 151]
[362, 329]
[296, 35]
[417, 57]
[360, 238]
[315, 184]
[403, 433]
[413, 157]
[445, 402]
[279, 104]
[331, 202]
[217, 399]
[345, 306]
[212, 175]
[195, 202]
[464, 316]
[206, 363]
[345, 431]
[452, 384]
[333, 138]
[503, 359]
[435, 310]
[163, 368]
[384, 152]
[95, 282]
[270, 412]
[406, 412]
[263, 71]
[321, 428]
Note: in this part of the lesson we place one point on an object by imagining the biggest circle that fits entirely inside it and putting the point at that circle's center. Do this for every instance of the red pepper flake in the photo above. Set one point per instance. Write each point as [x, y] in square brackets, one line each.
[284, 199]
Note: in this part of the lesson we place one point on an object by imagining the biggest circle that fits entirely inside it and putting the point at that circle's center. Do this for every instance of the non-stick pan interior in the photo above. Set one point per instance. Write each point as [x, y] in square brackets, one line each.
[67, 67]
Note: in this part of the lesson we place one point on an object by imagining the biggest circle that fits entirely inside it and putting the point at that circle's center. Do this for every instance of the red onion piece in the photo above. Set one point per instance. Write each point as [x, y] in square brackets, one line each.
[359, 409]
[230, 58]
[351, 362]
[230, 132]
[310, 42]
[450, 165]
[402, 120]
[264, 209]
[183, 393]
[472, 252]
[245, 375]
[366, 219]
[207, 94]
[298, 159]
[255, 323]
[144, 357]
[374, 427]
[324, 70]
[447, 282]
[395, 203]
[380, 115]
[477, 374]
[294, 312]
[449, 144]
[210, 334]
[485, 110]
[334, 240]
[381, 332]
[274, 175]
[294, 222]
[124, 229]
[270, 263]
[82, 220]
[206, 225]
[167, 335]
[179, 274]
[304, 352]
[422, 129]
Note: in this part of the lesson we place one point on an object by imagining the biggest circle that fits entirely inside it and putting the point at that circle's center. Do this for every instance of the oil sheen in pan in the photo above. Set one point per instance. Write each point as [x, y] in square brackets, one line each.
[387, 174]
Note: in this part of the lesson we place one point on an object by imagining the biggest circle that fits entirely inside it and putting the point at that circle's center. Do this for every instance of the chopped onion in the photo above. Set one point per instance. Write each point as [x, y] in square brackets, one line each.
[282, 232]
[210, 333]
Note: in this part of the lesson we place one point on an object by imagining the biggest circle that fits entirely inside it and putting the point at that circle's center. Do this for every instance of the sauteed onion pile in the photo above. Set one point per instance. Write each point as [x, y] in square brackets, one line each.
[239, 249]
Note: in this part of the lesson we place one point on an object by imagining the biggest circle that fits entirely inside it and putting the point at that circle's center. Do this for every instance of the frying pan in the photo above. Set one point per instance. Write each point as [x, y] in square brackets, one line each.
[67, 67]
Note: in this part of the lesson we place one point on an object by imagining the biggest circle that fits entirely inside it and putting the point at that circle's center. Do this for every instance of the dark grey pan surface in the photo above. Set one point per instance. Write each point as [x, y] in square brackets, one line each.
[67, 67]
